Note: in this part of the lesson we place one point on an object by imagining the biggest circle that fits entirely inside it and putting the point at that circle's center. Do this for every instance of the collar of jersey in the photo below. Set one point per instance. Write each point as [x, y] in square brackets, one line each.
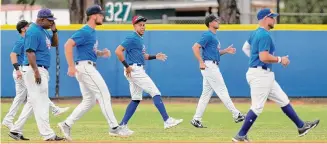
[138, 34]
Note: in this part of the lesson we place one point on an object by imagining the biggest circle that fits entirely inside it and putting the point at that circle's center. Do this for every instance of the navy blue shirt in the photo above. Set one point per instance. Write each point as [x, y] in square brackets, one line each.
[39, 40]
[210, 44]
[19, 50]
[86, 44]
[135, 49]
[260, 40]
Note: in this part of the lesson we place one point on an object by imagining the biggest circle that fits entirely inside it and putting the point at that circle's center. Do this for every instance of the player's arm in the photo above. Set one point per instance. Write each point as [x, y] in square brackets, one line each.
[159, 56]
[265, 43]
[31, 43]
[69, 47]
[120, 54]
[246, 48]
[196, 50]
[13, 55]
[54, 39]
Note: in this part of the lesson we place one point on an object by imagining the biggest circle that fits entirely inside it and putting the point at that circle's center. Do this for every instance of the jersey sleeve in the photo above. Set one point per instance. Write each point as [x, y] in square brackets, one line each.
[32, 42]
[127, 43]
[18, 47]
[264, 43]
[78, 37]
[204, 40]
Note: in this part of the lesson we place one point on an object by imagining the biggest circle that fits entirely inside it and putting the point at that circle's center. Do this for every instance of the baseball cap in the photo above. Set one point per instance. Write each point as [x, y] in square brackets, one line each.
[266, 12]
[21, 24]
[137, 19]
[46, 13]
[209, 19]
[95, 9]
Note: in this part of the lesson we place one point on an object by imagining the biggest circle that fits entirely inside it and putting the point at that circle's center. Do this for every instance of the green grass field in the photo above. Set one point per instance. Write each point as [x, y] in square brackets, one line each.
[271, 126]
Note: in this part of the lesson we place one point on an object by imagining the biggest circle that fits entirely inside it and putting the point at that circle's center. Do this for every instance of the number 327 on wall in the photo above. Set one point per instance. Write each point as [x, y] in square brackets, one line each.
[117, 11]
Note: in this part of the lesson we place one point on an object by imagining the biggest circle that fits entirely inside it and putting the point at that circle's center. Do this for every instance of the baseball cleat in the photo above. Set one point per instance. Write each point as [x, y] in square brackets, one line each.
[197, 123]
[307, 127]
[121, 131]
[239, 118]
[129, 131]
[56, 138]
[8, 125]
[17, 136]
[171, 122]
[65, 129]
[238, 138]
[59, 111]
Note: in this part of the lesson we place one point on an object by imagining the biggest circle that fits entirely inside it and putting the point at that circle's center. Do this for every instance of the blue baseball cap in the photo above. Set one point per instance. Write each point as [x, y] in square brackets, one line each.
[266, 12]
[46, 13]
[95, 9]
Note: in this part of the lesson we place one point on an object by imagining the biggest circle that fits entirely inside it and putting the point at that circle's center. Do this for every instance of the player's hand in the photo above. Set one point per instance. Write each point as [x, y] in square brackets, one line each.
[37, 77]
[161, 56]
[285, 61]
[106, 53]
[202, 66]
[19, 74]
[53, 26]
[230, 49]
[128, 71]
[71, 71]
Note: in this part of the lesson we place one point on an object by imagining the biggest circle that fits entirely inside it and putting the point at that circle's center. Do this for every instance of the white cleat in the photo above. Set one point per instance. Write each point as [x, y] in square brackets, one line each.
[65, 129]
[121, 131]
[171, 122]
[59, 111]
[129, 131]
[8, 125]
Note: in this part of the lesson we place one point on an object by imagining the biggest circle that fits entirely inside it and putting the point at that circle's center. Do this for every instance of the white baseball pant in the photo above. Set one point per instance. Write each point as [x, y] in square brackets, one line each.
[37, 102]
[93, 88]
[21, 96]
[140, 81]
[263, 85]
[213, 81]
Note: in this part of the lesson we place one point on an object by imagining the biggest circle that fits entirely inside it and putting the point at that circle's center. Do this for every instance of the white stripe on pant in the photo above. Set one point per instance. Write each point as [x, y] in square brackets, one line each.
[93, 88]
[213, 81]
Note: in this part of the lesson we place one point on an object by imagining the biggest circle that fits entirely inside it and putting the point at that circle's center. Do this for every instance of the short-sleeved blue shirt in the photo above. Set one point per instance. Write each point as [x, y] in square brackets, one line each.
[135, 49]
[260, 40]
[19, 50]
[86, 44]
[39, 40]
[210, 44]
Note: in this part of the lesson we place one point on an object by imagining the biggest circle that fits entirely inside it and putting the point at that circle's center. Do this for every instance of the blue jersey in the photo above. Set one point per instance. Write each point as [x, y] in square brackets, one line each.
[86, 44]
[38, 39]
[19, 50]
[260, 40]
[135, 49]
[210, 44]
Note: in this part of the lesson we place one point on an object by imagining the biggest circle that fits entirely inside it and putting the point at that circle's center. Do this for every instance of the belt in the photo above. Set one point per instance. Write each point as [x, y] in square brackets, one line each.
[91, 63]
[45, 67]
[138, 64]
[262, 67]
[213, 61]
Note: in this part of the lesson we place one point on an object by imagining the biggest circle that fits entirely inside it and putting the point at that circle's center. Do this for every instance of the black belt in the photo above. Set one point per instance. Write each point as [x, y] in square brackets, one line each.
[263, 67]
[138, 64]
[38, 66]
[213, 61]
[91, 63]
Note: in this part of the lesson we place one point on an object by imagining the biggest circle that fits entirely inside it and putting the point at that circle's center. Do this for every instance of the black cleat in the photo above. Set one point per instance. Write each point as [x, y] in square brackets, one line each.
[239, 118]
[17, 136]
[307, 127]
[238, 138]
[197, 123]
[56, 138]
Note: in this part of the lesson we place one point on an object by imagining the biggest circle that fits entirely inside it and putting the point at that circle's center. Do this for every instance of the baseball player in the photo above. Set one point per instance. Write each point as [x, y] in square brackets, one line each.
[212, 78]
[36, 76]
[16, 57]
[134, 72]
[260, 48]
[91, 83]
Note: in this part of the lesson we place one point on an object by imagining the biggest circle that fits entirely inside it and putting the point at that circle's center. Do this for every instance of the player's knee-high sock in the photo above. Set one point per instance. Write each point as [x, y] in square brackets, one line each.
[130, 111]
[161, 107]
[249, 120]
[289, 111]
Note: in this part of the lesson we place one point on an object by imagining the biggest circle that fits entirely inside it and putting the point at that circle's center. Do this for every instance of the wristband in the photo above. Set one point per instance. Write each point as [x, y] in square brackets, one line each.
[279, 59]
[152, 57]
[55, 31]
[16, 66]
[125, 64]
